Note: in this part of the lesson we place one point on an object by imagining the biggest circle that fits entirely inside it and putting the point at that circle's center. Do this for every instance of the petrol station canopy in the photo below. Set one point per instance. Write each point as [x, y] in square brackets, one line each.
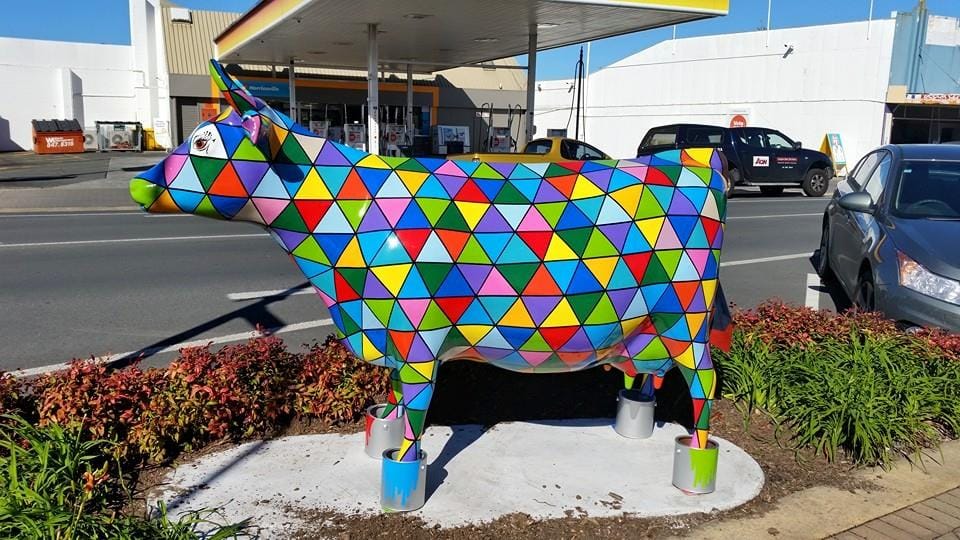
[432, 35]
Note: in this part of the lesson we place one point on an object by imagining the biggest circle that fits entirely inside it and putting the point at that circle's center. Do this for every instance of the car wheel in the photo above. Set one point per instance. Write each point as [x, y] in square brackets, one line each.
[815, 183]
[823, 257]
[866, 296]
[771, 190]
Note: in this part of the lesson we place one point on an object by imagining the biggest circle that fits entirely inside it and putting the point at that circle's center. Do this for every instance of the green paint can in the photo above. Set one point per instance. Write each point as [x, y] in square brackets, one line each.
[695, 469]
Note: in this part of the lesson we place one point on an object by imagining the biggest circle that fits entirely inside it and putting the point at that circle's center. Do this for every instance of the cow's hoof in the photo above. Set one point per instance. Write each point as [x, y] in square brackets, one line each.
[403, 484]
[695, 469]
[634, 415]
[381, 434]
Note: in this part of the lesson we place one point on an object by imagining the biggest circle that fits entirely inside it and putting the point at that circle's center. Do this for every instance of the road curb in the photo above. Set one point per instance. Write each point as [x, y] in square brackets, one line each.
[820, 512]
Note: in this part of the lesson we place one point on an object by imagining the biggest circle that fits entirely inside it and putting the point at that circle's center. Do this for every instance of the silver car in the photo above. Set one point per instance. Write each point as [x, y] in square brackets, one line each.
[891, 235]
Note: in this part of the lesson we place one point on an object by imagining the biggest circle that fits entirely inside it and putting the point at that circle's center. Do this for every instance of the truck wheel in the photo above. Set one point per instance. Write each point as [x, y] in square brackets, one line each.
[771, 190]
[733, 177]
[815, 183]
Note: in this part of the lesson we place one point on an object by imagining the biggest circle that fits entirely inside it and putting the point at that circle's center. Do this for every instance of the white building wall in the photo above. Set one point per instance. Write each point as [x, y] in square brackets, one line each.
[55, 79]
[554, 105]
[86, 81]
[834, 80]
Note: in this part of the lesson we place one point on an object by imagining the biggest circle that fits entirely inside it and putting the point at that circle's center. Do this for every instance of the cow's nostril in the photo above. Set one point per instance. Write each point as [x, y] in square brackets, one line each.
[144, 192]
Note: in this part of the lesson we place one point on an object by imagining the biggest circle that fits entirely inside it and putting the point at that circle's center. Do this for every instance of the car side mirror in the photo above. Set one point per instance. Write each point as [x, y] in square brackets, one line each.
[797, 145]
[860, 201]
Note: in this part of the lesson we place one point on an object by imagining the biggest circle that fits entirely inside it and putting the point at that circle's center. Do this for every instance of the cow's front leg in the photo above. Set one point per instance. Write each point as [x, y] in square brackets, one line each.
[394, 407]
[695, 459]
[384, 423]
[417, 381]
[403, 479]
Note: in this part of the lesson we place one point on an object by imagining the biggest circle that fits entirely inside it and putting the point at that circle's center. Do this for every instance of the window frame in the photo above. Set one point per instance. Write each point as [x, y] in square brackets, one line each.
[672, 130]
[791, 144]
[549, 143]
[855, 173]
[884, 156]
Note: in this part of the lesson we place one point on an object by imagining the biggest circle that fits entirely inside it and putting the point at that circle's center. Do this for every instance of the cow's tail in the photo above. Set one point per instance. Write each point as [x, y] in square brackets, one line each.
[721, 323]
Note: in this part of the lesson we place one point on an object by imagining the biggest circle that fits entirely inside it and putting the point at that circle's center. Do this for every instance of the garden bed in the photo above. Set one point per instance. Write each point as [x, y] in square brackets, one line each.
[818, 390]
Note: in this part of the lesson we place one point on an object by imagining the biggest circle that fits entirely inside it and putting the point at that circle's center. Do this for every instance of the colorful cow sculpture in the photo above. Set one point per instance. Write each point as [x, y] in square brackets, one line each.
[539, 268]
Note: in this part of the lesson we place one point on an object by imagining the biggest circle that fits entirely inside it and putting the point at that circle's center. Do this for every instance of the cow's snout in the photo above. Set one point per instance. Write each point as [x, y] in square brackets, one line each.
[144, 192]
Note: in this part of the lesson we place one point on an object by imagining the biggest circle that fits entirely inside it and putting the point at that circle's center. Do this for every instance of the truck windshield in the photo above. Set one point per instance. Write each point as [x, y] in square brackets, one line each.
[928, 189]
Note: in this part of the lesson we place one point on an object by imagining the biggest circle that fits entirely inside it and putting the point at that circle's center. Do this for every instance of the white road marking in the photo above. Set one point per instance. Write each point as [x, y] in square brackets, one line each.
[767, 259]
[266, 294]
[242, 336]
[124, 240]
[771, 216]
[813, 292]
[777, 199]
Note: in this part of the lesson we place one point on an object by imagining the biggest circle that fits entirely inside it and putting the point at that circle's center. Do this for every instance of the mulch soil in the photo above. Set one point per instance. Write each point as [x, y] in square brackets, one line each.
[471, 393]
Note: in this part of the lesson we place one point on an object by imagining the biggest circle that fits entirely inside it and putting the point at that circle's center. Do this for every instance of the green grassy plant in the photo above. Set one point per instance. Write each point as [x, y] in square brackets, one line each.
[56, 485]
[867, 395]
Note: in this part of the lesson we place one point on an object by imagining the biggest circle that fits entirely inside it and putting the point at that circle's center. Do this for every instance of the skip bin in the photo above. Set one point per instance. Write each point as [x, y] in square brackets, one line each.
[57, 136]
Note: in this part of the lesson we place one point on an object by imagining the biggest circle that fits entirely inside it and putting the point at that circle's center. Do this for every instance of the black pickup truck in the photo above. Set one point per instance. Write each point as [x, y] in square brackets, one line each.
[757, 156]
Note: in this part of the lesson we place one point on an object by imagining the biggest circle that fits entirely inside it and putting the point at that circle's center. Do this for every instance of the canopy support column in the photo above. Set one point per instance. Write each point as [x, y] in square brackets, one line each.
[531, 81]
[373, 92]
[292, 79]
[409, 118]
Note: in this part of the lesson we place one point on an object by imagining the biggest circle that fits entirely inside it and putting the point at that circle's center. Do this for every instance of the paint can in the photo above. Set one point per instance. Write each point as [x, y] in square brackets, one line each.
[695, 469]
[634, 415]
[403, 484]
[381, 434]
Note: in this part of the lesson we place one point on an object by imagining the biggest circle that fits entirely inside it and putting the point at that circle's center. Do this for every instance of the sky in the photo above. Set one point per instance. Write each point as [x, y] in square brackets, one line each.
[105, 21]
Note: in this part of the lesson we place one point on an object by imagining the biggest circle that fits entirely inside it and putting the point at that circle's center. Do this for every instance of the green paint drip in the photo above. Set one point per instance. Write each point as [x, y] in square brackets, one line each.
[703, 463]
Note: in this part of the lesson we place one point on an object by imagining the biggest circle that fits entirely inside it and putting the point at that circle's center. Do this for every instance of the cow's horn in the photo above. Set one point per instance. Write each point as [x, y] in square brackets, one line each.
[236, 95]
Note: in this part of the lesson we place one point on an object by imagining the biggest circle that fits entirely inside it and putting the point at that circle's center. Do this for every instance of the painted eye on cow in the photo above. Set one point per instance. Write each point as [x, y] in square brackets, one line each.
[201, 143]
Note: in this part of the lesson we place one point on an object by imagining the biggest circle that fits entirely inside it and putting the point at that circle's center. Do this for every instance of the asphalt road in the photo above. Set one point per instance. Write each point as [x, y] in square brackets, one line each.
[107, 283]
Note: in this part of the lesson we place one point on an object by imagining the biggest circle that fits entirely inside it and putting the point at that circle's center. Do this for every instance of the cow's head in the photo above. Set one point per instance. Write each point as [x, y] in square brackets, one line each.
[219, 168]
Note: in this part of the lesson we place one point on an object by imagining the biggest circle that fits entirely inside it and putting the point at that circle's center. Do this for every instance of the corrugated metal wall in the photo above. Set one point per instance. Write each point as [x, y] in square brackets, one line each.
[190, 45]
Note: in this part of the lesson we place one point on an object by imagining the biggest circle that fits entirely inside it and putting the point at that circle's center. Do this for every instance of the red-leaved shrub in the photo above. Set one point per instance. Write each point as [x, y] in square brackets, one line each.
[254, 388]
[106, 403]
[11, 395]
[335, 386]
[778, 323]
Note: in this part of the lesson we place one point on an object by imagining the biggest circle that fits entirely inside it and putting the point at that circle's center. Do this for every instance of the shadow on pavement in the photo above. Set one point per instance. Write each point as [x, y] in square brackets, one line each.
[256, 314]
[481, 394]
[39, 178]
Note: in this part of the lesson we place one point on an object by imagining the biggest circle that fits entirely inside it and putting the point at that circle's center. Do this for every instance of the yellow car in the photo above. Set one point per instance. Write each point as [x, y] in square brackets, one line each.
[540, 150]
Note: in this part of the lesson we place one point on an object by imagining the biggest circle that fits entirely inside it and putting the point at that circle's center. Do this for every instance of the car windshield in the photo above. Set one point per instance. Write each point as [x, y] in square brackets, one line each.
[928, 189]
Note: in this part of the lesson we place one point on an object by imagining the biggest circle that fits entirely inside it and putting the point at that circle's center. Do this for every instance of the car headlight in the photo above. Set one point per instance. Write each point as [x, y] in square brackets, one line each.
[914, 276]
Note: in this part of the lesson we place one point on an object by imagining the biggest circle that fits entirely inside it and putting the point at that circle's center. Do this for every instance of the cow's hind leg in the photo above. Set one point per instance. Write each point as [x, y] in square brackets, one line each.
[702, 381]
[635, 406]
[403, 480]
[695, 465]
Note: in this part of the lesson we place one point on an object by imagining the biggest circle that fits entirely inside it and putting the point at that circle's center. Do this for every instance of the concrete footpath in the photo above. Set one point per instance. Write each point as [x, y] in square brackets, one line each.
[89, 182]
[908, 502]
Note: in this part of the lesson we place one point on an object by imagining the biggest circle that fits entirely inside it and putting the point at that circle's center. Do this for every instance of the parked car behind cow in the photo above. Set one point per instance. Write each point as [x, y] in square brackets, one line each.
[757, 156]
[890, 234]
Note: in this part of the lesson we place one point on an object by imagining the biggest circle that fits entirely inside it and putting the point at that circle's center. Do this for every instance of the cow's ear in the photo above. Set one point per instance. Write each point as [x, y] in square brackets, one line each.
[235, 93]
[253, 124]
